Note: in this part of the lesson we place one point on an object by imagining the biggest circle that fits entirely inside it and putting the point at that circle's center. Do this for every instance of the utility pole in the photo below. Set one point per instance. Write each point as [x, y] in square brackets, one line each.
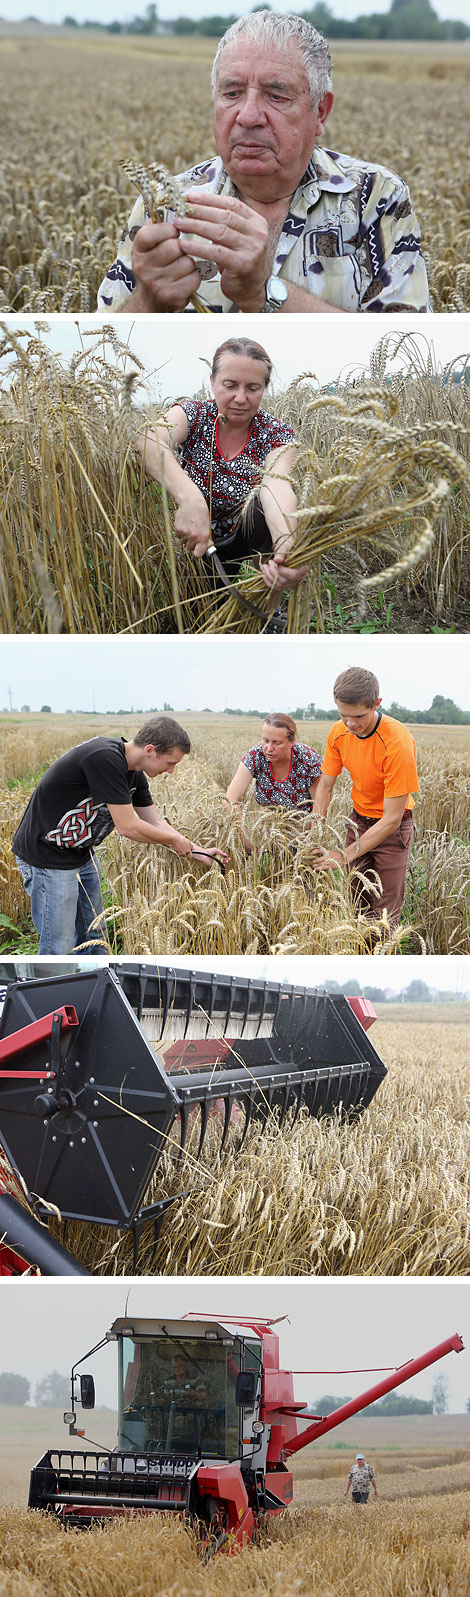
[10, 698]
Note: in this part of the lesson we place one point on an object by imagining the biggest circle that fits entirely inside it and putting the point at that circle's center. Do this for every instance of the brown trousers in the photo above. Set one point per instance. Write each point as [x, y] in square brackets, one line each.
[390, 861]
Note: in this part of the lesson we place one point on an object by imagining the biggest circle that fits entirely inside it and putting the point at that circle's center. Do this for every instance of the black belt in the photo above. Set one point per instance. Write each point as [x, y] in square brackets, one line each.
[374, 818]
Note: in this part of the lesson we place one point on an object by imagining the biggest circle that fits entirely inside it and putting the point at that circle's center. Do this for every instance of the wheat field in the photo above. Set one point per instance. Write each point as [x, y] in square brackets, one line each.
[271, 902]
[403, 1548]
[77, 105]
[382, 479]
[413, 1542]
[387, 1195]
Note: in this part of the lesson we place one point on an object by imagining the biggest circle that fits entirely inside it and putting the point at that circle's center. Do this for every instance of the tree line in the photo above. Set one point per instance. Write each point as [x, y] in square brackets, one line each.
[393, 1402]
[442, 712]
[53, 1391]
[406, 19]
[417, 992]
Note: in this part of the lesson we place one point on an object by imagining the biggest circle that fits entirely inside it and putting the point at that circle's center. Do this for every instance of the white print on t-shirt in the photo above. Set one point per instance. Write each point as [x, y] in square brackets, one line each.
[74, 830]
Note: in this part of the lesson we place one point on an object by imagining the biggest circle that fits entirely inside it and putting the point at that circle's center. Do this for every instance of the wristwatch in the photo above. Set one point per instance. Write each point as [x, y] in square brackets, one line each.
[276, 294]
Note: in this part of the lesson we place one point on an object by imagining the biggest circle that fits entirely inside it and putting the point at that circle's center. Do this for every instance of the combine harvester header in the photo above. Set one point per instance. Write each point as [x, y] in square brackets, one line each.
[207, 1425]
[101, 1071]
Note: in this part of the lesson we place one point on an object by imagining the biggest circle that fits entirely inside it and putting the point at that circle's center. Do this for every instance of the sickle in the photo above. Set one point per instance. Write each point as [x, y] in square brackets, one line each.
[240, 597]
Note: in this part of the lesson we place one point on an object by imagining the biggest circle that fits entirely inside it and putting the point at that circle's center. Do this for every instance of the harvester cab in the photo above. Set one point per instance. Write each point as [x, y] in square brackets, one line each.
[207, 1422]
[101, 1071]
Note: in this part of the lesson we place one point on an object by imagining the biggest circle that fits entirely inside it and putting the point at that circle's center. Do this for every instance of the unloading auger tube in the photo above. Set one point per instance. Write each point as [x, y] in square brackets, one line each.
[100, 1071]
[207, 1423]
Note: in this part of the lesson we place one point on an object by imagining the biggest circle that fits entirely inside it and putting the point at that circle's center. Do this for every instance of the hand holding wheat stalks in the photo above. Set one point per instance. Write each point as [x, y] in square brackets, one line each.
[160, 194]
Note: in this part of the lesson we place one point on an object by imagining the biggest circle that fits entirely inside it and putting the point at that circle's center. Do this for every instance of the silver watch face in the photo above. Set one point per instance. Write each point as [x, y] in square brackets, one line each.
[276, 293]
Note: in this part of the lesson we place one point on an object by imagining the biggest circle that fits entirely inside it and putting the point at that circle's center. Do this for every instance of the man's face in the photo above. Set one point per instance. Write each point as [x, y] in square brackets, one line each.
[359, 718]
[180, 1369]
[156, 763]
[264, 121]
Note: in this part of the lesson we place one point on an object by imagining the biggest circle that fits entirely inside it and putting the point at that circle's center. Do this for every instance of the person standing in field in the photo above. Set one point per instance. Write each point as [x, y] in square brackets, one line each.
[277, 223]
[361, 1477]
[98, 786]
[380, 755]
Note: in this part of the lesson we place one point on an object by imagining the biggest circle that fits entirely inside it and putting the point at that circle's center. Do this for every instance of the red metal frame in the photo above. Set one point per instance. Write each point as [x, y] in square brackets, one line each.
[29, 1036]
[12, 1264]
[363, 1010]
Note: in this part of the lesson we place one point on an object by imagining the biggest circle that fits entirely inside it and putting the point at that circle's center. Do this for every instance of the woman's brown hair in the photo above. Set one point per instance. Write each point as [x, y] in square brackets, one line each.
[278, 719]
[243, 346]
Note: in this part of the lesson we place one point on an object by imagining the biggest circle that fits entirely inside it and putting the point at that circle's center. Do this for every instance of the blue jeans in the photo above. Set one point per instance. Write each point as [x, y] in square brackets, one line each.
[64, 905]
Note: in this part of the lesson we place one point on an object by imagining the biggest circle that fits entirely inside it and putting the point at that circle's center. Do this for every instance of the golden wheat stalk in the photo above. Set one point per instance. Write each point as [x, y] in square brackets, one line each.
[161, 195]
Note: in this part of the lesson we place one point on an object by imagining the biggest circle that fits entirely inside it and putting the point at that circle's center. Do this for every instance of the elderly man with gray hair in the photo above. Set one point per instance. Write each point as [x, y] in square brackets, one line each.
[361, 1477]
[277, 223]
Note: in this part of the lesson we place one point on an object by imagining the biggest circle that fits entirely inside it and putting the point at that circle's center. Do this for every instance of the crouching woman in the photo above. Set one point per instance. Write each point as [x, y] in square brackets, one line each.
[212, 453]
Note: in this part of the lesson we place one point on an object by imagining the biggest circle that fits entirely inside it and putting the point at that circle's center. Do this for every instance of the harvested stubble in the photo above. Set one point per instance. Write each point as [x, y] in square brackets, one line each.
[64, 199]
[431, 1472]
[416, 1549]
[388, 1195]
[383, 479]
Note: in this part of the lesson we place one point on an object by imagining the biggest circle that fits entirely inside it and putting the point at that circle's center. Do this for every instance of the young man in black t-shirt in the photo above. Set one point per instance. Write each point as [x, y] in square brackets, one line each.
[99, 785]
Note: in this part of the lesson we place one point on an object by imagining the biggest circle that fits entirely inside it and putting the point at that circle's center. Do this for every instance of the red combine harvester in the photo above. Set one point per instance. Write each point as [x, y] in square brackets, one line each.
[207, 1425]
[102, 1070]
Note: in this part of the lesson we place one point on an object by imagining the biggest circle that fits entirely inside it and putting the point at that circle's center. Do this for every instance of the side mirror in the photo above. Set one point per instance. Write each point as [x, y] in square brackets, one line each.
[87, 1391]
[245, 1390]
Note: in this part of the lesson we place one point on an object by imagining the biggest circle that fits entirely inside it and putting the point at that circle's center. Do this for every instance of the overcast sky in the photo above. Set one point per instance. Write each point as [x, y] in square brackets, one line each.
[194, 673]
[333, 1324]
[451, 975]
[175, 354]
[122, 10]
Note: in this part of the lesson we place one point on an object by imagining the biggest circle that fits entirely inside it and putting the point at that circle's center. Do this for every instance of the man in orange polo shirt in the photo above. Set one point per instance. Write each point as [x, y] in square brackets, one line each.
[380, 755]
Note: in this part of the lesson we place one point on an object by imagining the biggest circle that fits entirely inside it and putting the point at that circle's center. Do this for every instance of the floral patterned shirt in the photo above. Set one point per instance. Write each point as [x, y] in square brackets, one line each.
[294, 792]
[361, 1476]
[351, 238]
[226, 483]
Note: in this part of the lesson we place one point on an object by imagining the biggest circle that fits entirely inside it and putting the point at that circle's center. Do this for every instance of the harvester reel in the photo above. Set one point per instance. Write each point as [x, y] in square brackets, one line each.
[107, 1069]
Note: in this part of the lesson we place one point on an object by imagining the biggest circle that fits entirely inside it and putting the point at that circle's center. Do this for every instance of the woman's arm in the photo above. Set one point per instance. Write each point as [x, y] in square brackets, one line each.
[278, 499]
[192, 524]
[239, 785]
[279, 504]
[157, 449]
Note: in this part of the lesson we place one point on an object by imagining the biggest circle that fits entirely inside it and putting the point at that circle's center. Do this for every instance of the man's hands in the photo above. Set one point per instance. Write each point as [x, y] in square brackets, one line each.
[206, 856]
[236, 238]
[221, 229]
[188, 850]
[224, 230]
[329, 861]
[166, 276]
